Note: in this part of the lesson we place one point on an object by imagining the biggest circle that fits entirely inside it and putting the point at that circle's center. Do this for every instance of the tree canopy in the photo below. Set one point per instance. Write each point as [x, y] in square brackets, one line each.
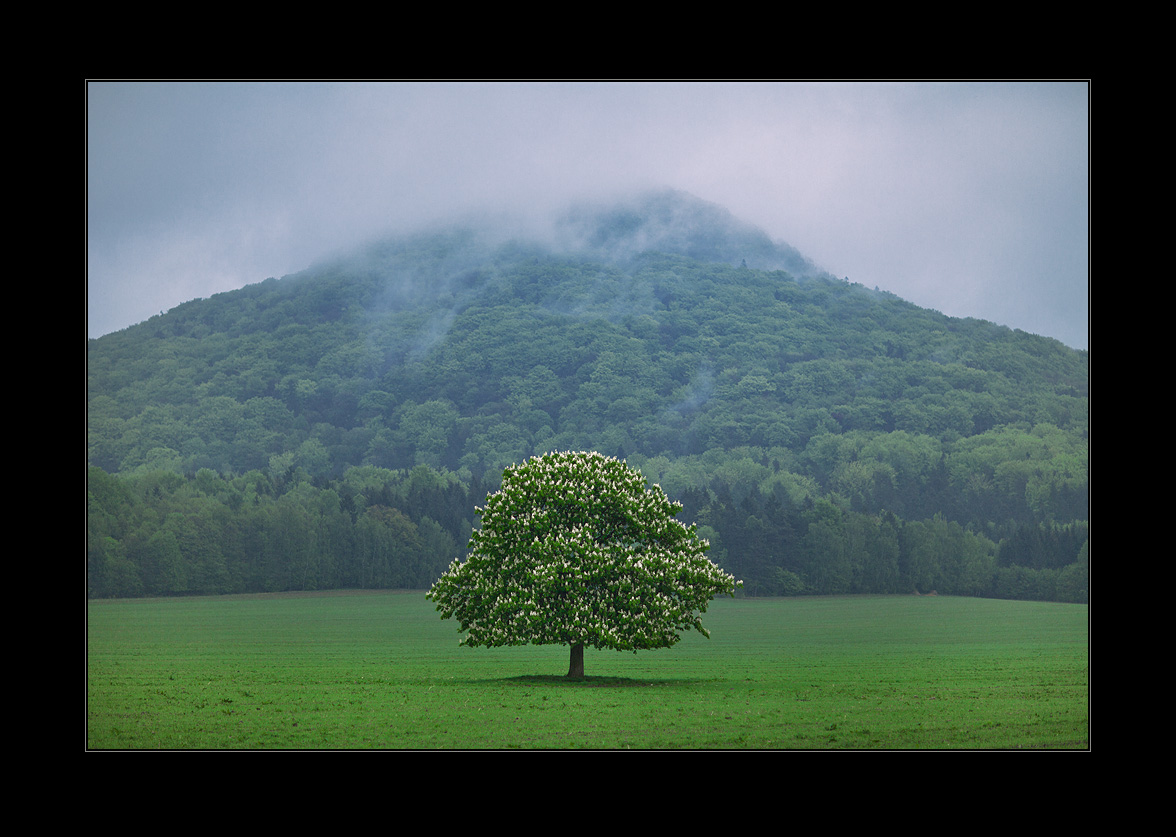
[825, 437]
[578, 549]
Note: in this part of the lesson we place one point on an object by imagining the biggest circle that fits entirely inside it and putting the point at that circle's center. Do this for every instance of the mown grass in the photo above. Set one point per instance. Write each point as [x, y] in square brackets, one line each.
[381, 670]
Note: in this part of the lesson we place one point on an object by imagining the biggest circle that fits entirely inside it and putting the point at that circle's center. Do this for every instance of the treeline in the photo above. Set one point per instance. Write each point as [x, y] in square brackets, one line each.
[820, 547]
[162, 534]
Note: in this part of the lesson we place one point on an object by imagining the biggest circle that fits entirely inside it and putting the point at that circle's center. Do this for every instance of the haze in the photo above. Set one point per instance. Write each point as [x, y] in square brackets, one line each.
[968, 198]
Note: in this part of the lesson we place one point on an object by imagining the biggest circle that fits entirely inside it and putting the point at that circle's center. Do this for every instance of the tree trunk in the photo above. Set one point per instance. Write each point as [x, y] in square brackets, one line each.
[576, 669]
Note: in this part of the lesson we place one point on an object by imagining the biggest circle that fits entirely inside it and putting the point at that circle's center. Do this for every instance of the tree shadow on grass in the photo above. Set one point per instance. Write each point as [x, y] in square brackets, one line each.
[595, 682]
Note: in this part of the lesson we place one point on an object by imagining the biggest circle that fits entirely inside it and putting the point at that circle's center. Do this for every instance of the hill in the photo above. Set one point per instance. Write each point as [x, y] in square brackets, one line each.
[726, 366]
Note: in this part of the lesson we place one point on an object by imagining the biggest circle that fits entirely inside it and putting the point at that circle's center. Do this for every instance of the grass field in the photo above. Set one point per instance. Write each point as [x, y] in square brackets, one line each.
[381, 670]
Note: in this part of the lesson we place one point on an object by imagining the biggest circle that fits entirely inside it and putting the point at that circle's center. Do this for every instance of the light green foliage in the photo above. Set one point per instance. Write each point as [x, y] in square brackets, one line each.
[577, 549]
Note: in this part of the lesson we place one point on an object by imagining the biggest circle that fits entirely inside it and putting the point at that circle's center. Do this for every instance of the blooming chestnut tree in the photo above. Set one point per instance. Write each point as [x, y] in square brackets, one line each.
[577, 549]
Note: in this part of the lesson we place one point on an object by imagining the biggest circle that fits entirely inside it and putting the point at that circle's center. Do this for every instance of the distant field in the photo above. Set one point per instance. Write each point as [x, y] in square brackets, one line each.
[381, 670]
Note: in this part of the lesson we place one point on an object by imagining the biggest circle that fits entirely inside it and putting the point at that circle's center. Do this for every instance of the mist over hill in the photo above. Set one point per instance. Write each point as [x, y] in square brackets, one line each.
[749, 383]
[673, 222]
[445, 259]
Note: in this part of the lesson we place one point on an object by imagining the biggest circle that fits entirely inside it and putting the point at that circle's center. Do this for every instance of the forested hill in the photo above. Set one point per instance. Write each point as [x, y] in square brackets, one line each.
[732, 371]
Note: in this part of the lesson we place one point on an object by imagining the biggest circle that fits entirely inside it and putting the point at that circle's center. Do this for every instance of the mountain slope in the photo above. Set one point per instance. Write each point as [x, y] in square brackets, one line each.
[337, 427]
[634, 330]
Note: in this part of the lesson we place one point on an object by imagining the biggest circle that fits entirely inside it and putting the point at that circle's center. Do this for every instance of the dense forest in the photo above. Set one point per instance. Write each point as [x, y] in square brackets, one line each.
[337, 427]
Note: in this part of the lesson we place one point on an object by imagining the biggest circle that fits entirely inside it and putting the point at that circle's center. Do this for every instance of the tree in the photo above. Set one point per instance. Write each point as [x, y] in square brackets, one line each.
[577, 549]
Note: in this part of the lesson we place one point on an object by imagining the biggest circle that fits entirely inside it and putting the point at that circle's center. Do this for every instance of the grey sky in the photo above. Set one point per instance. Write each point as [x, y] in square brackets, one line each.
[969, 198]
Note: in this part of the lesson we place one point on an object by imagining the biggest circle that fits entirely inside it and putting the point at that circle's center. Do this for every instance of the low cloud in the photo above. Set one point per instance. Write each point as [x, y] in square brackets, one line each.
[967, 198]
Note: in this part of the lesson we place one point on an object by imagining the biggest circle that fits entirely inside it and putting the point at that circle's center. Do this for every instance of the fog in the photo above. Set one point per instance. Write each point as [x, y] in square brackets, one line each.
[969, 198]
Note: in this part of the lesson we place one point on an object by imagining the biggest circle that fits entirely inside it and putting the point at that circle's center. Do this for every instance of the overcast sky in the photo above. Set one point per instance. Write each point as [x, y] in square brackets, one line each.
[968, 198]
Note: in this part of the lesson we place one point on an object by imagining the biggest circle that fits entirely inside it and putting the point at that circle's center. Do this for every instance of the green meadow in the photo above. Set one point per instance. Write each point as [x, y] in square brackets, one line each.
[349, 670]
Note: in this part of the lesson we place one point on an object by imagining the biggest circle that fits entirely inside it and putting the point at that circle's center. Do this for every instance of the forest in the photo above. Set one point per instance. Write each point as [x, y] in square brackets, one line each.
[336, 428]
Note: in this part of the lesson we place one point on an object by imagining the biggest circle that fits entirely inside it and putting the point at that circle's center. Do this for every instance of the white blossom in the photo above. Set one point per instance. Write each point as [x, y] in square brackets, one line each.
[578, 548]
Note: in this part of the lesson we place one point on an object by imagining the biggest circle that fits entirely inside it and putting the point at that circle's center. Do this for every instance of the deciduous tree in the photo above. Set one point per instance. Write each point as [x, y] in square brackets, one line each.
[578, 549]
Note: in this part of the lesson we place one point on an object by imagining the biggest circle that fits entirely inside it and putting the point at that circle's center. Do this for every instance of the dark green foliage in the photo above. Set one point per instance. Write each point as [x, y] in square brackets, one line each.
[160, 534]
[747, 392]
